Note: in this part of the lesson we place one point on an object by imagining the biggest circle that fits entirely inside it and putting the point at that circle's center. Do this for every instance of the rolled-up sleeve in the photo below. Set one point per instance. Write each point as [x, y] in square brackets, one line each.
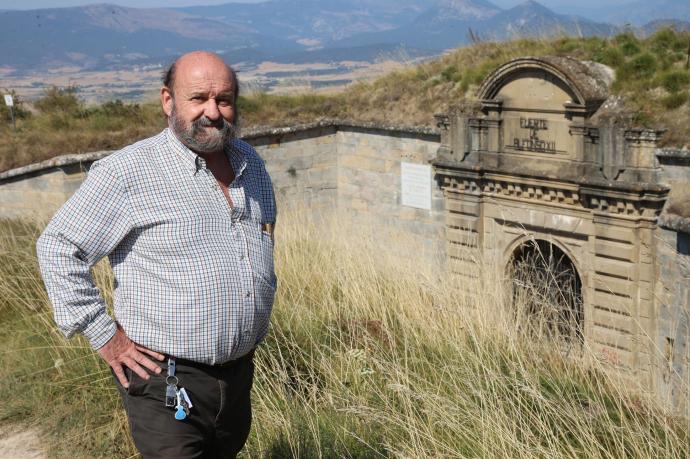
[87, 228]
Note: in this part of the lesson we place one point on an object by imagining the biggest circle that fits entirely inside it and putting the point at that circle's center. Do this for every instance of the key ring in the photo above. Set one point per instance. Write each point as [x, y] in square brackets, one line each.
[170, 378]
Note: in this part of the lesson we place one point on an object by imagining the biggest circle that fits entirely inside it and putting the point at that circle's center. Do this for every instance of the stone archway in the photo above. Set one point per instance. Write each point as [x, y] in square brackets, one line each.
[547, 290]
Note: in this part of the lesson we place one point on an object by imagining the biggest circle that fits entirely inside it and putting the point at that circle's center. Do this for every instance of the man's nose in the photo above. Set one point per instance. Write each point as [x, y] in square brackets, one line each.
[211, 110]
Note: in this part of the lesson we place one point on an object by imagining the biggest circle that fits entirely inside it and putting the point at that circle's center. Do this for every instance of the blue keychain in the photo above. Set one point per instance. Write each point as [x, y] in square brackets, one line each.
[181, 409]
[183, 404]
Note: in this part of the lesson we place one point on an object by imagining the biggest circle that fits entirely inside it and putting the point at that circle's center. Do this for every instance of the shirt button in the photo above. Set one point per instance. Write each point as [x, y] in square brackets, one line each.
[249, 294]
[241, 257]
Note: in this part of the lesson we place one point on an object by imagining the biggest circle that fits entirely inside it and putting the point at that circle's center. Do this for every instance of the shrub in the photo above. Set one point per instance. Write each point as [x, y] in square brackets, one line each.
[247, 105]
[612, 57]
[642, 66]
[567, 46]
[676, 100]
[675, 80]
[628, 43]
[451, 73]
[118, 108]
[63, 100]
[667, 40]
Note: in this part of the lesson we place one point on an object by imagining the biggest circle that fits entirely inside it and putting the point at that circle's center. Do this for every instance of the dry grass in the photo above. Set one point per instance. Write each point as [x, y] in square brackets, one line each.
[369, 356]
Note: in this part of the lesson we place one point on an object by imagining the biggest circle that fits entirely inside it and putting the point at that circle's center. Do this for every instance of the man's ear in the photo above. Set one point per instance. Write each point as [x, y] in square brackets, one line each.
[166, 100]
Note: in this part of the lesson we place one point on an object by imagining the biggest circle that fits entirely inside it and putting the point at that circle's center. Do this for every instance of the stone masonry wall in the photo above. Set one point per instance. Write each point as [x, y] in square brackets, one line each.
[369, 183]
[349, 168]
[302, 164]
[38, 190]
[673, 319]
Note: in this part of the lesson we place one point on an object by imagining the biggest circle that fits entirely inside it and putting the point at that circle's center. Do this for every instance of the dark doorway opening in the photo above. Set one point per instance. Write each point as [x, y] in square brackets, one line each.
[547, 290]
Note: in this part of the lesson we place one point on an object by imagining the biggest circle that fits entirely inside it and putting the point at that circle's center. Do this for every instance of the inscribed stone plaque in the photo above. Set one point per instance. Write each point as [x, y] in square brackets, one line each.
[416, 185]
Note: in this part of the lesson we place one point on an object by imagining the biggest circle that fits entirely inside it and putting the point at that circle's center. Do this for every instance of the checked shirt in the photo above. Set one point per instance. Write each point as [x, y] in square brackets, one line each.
[194, 277]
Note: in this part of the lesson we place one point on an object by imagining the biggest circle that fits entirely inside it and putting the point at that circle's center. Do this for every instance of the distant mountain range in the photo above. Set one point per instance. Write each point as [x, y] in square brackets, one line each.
[640, 12]
[451, 23]
[104, 36]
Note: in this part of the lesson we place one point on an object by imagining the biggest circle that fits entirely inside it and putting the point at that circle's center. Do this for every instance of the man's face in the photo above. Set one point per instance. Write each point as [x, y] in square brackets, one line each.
[200, 107]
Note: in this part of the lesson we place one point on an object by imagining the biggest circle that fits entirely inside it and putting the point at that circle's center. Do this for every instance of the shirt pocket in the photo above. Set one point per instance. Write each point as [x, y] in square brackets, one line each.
[261, 255]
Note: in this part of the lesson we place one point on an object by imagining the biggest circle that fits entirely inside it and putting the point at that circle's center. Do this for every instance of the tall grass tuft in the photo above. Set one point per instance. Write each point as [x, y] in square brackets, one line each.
[372, 353]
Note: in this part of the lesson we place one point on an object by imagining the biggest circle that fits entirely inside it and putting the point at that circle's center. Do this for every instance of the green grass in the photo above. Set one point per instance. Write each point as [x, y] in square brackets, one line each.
[369, 355]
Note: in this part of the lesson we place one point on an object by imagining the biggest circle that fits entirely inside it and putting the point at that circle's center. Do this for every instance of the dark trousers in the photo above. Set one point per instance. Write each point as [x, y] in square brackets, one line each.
[218, 424]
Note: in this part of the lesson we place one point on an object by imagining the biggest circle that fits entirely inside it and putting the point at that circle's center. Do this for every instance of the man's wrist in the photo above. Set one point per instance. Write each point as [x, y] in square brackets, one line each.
[100, 331]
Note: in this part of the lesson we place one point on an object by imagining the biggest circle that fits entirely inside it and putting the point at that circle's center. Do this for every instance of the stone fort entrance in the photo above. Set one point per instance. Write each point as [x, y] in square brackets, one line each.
[543, 173]
[546, 283]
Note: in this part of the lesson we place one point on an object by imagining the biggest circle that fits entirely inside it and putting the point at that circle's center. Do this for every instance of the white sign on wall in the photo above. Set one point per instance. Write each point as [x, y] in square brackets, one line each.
[8, 100]
[415, 180]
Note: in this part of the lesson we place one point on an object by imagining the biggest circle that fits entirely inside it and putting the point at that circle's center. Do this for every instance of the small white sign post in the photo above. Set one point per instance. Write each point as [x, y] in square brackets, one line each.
[415, 181]
[10, 103]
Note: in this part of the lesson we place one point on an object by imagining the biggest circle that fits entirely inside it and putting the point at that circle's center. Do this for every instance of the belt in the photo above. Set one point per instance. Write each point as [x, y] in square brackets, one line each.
[230, 363]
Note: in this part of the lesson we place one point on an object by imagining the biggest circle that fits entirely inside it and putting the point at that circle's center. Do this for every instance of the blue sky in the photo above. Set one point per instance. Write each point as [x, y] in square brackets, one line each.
[30, 4]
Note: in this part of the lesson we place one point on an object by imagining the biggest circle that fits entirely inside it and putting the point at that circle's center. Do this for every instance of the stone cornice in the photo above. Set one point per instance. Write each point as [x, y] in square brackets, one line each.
[673, 156]
[632, 200]
[58, 161]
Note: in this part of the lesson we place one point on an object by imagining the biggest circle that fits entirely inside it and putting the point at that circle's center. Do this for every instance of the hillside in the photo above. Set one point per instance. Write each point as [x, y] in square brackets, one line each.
[103, 36]
[652, 81]
[451, 23]
[97, 36]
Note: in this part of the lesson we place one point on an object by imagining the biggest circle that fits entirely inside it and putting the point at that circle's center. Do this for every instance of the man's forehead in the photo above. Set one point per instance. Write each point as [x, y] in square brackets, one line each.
[196, 72]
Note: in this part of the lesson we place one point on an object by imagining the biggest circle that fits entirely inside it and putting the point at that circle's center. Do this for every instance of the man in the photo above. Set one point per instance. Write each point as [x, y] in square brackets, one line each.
[186, 219]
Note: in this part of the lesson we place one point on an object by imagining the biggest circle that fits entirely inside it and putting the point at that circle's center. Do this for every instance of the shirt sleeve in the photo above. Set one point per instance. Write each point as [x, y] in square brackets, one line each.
[87, 228]
[270, 210]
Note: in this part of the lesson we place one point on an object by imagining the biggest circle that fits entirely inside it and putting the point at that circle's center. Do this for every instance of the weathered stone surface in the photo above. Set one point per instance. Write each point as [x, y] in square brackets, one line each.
[546, 155]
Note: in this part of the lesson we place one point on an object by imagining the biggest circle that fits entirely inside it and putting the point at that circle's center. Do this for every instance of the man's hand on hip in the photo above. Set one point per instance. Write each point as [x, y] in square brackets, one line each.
[120, 350]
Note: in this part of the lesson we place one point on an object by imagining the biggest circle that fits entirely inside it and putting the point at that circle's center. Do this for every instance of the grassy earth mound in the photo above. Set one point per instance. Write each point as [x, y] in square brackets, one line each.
[651, 75]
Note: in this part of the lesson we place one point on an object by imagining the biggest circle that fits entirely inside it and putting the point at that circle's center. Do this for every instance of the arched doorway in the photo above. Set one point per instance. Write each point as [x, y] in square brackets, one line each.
[547, 290]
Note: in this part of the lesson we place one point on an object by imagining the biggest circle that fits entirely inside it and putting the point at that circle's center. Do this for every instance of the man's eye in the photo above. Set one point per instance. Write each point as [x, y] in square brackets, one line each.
[224, 103]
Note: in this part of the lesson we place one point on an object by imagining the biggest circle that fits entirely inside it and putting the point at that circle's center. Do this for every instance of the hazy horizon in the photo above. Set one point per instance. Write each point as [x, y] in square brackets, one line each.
[40, 4]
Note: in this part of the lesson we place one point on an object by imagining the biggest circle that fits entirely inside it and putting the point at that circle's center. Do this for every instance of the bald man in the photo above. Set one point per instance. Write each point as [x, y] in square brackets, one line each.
[186, 219]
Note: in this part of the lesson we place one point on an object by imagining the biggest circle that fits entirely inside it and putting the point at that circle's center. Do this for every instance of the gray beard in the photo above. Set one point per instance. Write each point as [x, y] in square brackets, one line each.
[197, 138]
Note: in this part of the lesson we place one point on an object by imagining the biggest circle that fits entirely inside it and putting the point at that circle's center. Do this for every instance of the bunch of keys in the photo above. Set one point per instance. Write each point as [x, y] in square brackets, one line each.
[174, 396]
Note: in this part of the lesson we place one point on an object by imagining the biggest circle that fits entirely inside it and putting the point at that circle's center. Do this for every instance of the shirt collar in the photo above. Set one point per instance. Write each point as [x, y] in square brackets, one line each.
[237, 158]
[190, 160]
[193, 162]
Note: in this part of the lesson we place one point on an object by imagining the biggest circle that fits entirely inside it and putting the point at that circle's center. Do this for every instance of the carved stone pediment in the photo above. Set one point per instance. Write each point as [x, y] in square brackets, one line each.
[540, 116]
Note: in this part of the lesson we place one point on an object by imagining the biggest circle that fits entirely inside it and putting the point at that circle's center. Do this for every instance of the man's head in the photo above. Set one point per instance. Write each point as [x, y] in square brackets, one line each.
[199, 96]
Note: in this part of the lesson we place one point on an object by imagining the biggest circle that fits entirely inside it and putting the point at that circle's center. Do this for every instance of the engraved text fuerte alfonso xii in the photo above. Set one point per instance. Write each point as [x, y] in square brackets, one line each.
[534, 143]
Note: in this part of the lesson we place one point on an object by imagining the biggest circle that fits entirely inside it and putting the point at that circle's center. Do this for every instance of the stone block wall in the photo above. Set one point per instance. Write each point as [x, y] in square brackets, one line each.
[675, 165]
[302, 164]
[322, 167]
[38, 190]
[369, 182]
[673, 319]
